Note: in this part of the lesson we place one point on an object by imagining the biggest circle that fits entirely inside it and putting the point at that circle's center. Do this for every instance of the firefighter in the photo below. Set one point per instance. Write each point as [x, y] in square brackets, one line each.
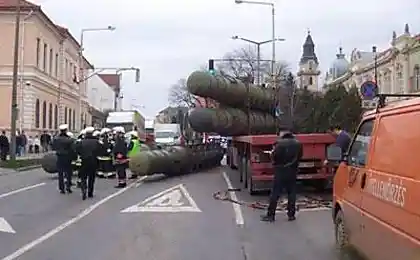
[120, 155]
[105, 161]
[287, 153]
[88, 149]
[76, 161]
[63, 147]
[133, 148]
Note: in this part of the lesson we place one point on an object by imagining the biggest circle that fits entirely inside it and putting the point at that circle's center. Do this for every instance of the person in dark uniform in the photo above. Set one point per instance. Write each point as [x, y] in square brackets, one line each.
[88, 149]
[286, 155]
[120, 155]
[63, 147]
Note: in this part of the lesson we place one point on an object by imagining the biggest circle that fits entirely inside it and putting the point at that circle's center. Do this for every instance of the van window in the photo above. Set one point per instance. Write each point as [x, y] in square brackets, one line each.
[358, 151]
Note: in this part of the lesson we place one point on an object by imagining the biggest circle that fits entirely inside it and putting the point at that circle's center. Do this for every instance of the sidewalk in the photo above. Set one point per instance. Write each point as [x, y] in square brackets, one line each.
[32, 156]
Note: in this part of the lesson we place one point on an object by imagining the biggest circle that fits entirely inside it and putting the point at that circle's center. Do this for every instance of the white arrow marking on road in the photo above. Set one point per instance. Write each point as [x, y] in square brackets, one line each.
[170, 200]
[21, 189]
[6, 227]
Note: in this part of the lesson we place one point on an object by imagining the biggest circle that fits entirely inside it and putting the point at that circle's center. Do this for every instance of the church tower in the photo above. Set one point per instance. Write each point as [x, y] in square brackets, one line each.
[308, 74]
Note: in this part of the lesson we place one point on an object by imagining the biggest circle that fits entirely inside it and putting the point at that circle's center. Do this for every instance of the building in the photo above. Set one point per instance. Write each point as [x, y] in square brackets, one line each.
[114, 81]
[48, 89]
[308, 74]
[397, 67]
[101, 98]
[166, 115]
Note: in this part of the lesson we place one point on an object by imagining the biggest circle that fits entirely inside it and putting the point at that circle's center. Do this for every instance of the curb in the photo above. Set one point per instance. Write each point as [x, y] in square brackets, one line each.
[27, 168]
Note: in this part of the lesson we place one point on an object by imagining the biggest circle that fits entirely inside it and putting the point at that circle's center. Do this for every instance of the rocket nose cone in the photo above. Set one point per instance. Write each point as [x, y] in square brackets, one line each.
[198, 82]
[201, 119]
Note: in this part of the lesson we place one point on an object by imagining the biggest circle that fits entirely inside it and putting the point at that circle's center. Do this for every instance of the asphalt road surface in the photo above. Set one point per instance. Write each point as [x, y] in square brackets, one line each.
[155, 219]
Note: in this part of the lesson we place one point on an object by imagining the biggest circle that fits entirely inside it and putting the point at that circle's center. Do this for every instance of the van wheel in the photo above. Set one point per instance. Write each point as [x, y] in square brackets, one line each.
[341, 234]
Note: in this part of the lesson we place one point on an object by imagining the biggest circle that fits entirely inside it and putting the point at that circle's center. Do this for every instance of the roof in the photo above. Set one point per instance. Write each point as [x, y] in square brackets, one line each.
[113, 80]
[26, 6]
[395, 105]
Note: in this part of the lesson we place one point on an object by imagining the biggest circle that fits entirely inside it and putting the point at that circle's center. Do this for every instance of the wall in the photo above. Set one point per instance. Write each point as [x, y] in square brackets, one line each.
[100, 95]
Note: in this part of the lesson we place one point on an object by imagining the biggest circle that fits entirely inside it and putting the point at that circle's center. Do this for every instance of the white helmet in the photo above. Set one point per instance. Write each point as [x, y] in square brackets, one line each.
[119, 129]
[89, 130]
[134, 133]
[105, 131]
[70, 134]
[96, 133]
[83, 132]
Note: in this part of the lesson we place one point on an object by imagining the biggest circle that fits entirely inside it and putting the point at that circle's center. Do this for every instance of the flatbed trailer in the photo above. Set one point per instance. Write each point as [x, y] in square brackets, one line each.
[251, 156]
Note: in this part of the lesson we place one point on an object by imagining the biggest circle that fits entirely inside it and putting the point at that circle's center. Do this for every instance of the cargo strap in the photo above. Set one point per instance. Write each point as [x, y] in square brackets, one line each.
[282, 206]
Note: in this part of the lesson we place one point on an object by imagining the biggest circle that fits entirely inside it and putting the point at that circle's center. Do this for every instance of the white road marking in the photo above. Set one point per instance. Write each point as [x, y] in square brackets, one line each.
[60, 228]
[5, 226]
[236, 207]
[170, 200]
[21, 189]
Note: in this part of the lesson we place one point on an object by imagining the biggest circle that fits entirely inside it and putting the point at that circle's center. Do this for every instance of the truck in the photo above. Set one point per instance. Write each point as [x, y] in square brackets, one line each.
[131, 120]
[167, 134]
[250, 155]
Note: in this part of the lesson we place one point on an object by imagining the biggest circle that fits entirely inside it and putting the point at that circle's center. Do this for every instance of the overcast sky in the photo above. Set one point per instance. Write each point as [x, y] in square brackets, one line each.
[168, 39]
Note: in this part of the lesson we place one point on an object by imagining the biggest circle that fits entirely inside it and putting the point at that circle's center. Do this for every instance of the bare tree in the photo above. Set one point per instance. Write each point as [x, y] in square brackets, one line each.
[242, 63]
[179, 95]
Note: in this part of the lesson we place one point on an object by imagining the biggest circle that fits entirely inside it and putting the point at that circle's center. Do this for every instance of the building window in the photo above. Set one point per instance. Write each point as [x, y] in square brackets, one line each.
[70, 125]
[66, 76]
[56, 117]
[416, 83]
[311, 65]
[38, 50]
[37, 114]
[50, 116]
[74, 119]
[44, 65]
[400, 78]
[44, 115]
[65, 115]
[56, 65]
[311, 81]
[50, 65]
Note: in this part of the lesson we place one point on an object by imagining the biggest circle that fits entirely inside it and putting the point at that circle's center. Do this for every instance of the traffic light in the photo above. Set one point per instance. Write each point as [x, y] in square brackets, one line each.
[211, 67]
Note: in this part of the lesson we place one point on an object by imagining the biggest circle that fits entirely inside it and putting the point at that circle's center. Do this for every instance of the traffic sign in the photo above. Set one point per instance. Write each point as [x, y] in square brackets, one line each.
[369, 104]
[369, 90]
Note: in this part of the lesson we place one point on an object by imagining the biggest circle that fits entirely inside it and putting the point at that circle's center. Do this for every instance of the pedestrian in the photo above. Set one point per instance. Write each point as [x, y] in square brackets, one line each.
[133, 148]
[4, 146]
[45, 141]
[37, 144]
[287, 153]
[88, 149]
[63, 147]
[343, 138]
[120, 156]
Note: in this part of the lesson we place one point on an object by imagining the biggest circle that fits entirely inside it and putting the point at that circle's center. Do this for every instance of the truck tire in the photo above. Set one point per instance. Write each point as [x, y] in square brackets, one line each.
[341, 233]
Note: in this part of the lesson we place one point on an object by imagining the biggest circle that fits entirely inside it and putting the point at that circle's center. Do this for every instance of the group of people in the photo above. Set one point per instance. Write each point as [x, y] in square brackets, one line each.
[88, 148]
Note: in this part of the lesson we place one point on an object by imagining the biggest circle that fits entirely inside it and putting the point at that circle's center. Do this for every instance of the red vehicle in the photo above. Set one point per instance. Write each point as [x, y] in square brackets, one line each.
[251, 156]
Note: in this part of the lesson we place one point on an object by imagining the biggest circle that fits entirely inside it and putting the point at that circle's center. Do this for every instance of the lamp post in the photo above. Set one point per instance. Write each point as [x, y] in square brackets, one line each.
[273, 40]
[81, 69]
[258, 44]
[374, 50]
[14, 108]
[417, 76]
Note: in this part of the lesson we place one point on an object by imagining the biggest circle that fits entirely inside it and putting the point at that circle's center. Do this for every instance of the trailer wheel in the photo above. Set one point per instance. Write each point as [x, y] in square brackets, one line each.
[341, 234]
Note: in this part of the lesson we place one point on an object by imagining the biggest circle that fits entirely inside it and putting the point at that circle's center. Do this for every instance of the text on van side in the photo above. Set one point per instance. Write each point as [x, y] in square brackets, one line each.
[387, 191]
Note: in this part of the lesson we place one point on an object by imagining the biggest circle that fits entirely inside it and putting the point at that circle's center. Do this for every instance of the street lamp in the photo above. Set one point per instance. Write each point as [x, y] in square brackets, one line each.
[258, 50]
[273, 61]
[81, 70]
[374, 50]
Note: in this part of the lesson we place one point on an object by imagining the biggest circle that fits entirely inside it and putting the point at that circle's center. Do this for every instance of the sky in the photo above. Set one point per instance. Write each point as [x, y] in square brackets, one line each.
[169, 39]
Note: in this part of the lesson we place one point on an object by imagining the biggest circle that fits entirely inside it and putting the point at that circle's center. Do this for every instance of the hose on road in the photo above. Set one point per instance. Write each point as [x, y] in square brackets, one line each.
[309, 202]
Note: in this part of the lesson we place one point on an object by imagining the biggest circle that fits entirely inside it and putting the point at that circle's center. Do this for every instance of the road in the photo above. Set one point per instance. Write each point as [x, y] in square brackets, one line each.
[160, 219]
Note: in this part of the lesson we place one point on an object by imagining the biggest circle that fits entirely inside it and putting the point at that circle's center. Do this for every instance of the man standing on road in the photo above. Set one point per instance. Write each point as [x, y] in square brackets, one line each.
[133, 149]
[4, 146]
[120, 155]
[343, 138]
[63, 147]
[88, 149]
[286, 155]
